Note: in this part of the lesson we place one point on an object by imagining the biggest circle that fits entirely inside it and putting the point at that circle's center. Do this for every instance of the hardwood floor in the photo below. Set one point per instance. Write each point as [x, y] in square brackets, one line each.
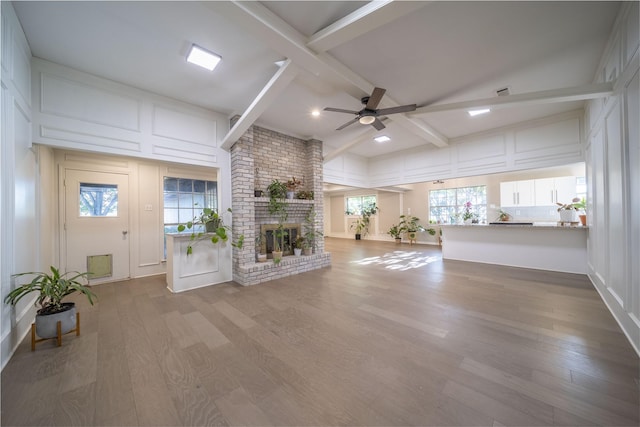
[389, 335]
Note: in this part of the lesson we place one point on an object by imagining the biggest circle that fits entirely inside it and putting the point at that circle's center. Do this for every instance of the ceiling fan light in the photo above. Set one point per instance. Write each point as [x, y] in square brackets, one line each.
[367, 120]
[382, 138]
[203, 57]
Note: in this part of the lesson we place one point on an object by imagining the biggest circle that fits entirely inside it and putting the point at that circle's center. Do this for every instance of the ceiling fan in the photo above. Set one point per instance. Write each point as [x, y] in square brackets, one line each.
[369, 115]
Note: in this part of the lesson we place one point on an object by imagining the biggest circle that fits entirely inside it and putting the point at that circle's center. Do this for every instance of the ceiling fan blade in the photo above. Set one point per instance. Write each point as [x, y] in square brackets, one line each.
[375, 98]
[398, 109]
[378, 124]
[348, 123]
[340, 110]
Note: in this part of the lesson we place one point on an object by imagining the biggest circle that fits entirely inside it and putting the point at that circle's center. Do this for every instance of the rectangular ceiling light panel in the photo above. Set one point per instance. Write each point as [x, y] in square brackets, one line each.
[203, 57]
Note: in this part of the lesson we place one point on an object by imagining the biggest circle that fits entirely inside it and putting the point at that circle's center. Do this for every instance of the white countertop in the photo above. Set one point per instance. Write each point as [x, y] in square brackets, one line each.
[536, 225]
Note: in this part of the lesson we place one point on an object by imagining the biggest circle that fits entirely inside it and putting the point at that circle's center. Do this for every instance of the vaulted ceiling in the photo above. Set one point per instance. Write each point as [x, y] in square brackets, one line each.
[281, 60]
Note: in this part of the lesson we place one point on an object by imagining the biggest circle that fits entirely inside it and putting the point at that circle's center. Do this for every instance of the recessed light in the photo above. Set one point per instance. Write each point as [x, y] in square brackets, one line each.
[203, 57]
[382, 138]
[315, 113]
[478, 112]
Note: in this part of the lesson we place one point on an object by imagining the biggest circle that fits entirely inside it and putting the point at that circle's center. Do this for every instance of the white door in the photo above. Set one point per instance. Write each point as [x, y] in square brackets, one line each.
[96, 224]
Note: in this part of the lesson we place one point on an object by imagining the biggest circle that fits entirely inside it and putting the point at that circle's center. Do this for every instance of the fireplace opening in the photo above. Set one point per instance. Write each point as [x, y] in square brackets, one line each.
[291, 233]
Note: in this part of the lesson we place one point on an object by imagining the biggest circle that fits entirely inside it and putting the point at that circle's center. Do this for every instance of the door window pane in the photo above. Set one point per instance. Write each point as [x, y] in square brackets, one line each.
[98, 199]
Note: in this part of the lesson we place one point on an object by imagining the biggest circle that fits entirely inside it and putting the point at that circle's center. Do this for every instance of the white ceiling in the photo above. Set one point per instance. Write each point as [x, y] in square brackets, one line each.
[425, 53]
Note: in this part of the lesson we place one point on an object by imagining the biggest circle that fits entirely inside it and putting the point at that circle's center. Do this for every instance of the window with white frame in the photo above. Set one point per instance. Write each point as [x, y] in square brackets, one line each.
[448, 204]
[355, 205]
[184, 199]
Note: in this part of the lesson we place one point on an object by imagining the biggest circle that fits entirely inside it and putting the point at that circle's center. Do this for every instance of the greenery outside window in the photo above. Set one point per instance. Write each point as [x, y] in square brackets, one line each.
[447, 205]
[184, 199]
[355, 205]
[98, 199]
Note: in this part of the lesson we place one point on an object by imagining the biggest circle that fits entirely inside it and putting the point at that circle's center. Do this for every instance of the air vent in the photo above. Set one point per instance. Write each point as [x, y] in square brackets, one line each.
[503, 92]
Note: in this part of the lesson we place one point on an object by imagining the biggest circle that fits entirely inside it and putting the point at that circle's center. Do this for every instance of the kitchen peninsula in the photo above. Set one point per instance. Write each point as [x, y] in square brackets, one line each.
[544, 246]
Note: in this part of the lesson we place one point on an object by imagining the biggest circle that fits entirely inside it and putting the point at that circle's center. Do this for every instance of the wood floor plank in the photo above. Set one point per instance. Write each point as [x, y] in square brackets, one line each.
[236, 316]
[207, 332]
[238, 408]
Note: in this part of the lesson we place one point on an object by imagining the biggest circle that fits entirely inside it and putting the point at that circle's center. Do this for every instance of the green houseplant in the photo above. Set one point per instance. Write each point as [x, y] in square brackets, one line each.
[52, 288]
[215, 229]
[410, 225]
[361, 225]
[310, 233]
[396, 232]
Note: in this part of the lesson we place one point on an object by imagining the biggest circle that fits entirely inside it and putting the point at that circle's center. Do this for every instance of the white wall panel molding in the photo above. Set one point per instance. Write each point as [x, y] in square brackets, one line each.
[66, 98]
[183, 126]
[551, 141]
[81, 111]
[19, 205]
[87, 141]
[614, 156]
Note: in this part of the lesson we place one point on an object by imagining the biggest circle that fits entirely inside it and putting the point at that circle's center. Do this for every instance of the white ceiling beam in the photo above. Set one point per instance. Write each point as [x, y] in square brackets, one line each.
[367, 136]
[576, 93]
[267, 95]
[361, 21]
[283, 38]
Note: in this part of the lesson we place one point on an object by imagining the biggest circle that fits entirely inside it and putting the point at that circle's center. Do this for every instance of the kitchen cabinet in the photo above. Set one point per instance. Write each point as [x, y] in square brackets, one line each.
[517, 193]
[549, 191]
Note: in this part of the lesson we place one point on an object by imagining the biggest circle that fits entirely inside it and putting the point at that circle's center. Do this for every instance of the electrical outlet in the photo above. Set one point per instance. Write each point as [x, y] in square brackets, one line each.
[148, 207]
[408, 211]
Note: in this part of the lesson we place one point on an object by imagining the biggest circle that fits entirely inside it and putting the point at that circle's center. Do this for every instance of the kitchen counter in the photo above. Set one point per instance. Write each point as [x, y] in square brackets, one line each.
[544, 246]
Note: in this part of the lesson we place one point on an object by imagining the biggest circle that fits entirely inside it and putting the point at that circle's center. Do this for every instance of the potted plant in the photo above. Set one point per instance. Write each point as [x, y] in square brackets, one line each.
[310, 233]
[503, 216]
[52, 288]
[567, 211]
[581, 205]
[304, 195]
[260, 255]
[292, 186]
[215, 230]
[468, 216]
[410, 225]
[361, 225]
[277, 190]
[298, 245]
[278, 242]
[256, 191]
[396, 233]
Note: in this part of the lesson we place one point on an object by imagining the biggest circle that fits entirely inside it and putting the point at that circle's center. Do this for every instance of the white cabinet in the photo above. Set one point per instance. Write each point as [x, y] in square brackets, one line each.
[517, 193]
[549, 191]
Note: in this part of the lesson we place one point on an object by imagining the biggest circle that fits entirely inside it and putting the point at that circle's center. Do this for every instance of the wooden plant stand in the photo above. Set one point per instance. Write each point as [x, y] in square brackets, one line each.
[58, 337]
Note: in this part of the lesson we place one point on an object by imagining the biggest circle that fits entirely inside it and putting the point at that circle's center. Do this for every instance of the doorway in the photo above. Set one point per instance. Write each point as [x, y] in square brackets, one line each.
[96, 224]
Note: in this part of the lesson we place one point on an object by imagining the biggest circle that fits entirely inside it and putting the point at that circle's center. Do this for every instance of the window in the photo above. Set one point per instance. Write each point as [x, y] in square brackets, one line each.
[98, 199]
[184, 199]
[356, 204]
[446, 205]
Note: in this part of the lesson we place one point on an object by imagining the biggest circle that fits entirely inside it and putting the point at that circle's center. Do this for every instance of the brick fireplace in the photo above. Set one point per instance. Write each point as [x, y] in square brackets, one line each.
[257, 158]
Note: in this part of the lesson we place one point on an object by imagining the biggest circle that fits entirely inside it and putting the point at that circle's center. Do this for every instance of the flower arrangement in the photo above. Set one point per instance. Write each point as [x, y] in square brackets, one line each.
[293, 184]
[467, 214]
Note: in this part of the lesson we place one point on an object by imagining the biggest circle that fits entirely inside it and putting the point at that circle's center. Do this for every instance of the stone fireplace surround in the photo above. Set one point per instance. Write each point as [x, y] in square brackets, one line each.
[258, 157]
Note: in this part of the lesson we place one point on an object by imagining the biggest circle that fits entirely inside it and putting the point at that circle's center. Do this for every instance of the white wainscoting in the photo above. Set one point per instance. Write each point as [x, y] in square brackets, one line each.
[613, 156]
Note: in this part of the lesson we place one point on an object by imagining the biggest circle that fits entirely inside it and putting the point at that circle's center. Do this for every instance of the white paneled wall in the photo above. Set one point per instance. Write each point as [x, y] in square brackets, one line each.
[80, 111]
[19, 209]
[551, 141]
[613, 161]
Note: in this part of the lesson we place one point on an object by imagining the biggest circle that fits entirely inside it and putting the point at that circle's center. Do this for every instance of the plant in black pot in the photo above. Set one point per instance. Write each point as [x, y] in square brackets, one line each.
[361, 225]
[53, 287]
